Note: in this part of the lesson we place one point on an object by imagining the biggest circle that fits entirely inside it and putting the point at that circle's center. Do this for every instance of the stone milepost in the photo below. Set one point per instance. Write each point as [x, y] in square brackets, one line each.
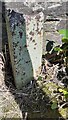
[25, 38]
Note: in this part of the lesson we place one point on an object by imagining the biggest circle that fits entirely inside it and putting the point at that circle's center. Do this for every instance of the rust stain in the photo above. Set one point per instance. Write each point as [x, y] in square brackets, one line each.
[20, 48]
[39, 32]
[27, 28]
[37, 17]
[31, 33]
[39, 70]
[37, 29]
[20, 33]
[25, 45]
[35, 44]
[37, 24]
[33, 40]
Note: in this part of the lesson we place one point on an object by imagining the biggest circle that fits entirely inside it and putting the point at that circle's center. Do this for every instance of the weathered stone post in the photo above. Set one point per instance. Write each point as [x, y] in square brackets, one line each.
[25, 38]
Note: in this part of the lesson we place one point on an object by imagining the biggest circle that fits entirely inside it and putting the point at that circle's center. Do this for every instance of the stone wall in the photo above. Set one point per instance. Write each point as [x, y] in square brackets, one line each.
[56, 17]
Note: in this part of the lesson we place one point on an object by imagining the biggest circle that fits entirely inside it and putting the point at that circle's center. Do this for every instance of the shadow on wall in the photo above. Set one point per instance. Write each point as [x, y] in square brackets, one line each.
[29, 98]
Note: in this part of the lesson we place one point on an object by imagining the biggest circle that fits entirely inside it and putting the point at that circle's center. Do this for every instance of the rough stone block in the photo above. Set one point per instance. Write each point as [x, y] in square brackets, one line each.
[54, 38]
[63, 24]
[50, 26]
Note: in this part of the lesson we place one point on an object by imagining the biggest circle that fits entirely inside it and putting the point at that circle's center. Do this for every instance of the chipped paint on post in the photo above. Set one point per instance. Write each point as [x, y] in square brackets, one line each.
[25, 38]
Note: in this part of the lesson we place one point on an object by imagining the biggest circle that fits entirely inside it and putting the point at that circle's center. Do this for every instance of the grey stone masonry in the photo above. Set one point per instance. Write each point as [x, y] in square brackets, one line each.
[56, 17]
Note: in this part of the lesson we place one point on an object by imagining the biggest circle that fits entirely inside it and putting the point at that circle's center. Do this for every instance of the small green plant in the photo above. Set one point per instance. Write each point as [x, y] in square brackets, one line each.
[64, 33]
[54, 105]
[64, 48]
[64, 91]
[40, 78]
